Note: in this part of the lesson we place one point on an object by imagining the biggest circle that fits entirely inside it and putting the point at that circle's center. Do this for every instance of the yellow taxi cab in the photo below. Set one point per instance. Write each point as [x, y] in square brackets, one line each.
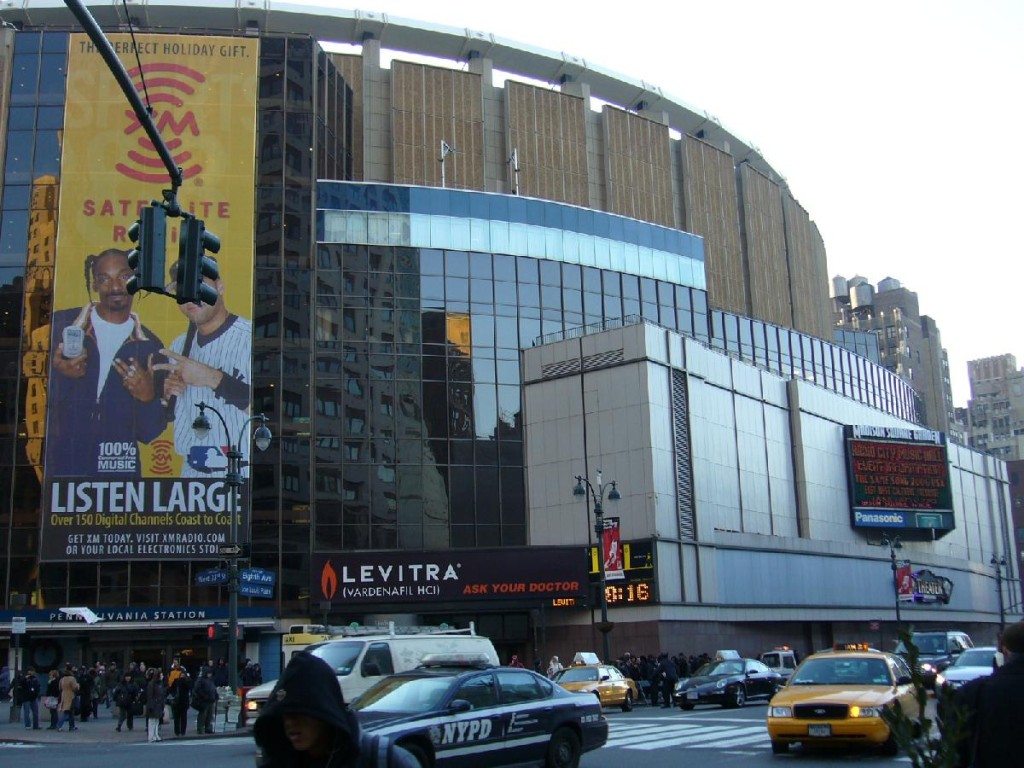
[586, 675]
[838, 696]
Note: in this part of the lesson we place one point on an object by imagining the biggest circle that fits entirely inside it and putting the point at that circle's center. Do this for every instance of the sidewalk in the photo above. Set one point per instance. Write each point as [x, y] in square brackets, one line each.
[102, 730]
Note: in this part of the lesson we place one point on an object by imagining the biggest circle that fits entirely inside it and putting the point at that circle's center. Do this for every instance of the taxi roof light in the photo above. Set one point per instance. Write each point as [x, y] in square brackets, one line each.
[585, 658]
[852, 647]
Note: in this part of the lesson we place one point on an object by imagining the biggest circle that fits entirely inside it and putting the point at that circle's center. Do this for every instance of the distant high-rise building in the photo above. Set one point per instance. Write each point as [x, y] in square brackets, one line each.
[909, 343]
[996, 408]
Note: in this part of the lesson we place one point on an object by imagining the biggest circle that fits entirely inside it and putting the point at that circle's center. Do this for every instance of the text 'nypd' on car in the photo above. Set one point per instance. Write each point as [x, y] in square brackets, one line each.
[460, 712]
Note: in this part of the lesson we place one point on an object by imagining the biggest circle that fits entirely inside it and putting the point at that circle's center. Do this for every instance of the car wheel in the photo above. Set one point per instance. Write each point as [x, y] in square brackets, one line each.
[780, 747]
[418, 753]
[890, 748]
[627, 703]
[563, 750]
[739, 698]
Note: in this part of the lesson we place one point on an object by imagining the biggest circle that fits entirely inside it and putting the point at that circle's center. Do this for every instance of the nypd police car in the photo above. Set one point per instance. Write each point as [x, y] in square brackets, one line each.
[464, 712]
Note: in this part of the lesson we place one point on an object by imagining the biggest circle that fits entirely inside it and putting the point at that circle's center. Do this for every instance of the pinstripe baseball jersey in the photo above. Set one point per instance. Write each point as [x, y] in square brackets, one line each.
[229, 349]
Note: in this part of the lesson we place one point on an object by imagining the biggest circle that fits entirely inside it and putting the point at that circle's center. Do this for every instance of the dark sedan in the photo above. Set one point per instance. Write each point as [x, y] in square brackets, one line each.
[487, 716]
[728, 683]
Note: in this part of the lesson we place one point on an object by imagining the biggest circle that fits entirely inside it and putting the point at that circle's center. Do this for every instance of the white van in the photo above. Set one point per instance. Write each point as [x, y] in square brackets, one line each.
[360, 660]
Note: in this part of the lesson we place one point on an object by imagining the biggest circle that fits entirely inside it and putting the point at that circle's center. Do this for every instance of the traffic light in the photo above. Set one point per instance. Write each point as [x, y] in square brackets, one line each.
[221, 632]
[147, 259]
[194, 265]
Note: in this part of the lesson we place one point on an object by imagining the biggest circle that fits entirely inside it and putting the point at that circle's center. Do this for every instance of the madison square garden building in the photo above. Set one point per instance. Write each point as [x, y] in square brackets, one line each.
[455, 274]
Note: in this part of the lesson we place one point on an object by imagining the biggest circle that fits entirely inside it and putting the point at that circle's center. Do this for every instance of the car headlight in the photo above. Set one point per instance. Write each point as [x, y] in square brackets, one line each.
[865, 711]
[680, 685]
[940, 679]
[926, 667]
[721, 684]
[780, 711]
[252, 706]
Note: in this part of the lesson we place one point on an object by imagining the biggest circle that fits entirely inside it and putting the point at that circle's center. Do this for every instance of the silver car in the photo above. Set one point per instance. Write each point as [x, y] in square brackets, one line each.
[969, 665]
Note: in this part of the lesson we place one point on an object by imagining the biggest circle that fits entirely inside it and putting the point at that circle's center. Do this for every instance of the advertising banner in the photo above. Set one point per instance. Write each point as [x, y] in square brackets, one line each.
[613, 568]
[526, 573]
[904, 580]
[125, 476]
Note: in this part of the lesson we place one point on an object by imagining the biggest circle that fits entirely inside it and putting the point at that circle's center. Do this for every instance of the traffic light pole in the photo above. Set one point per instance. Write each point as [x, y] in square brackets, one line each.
[106, 50]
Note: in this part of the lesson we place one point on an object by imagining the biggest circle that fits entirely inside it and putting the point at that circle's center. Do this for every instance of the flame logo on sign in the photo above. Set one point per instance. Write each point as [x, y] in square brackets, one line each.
[328, 581]
[162, 452]
[166, 84]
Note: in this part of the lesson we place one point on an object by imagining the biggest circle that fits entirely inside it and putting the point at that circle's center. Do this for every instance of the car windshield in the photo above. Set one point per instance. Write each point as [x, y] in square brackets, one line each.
[719, 668]
[341, 656]
[976, 657]
[577, 675]
[404, 694]
[842, 671]
[930, 644]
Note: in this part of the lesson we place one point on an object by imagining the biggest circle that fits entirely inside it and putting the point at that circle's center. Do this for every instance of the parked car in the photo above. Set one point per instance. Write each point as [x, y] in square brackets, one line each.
[612, 688]
[838, 696]
[781, 659]
[936, 650]
[729, 682]
[466, 713]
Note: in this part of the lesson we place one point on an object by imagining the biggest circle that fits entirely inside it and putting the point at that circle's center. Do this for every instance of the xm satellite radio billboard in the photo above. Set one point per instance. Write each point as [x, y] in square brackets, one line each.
[124, 475]
[899, 479]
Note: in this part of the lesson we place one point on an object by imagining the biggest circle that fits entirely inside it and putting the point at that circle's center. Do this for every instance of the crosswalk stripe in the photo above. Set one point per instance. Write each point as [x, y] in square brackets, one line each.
[706, 735]
[634, 736]
[754, 738]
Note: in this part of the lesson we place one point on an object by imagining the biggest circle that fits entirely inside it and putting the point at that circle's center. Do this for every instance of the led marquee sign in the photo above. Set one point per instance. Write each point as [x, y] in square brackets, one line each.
[899, 479]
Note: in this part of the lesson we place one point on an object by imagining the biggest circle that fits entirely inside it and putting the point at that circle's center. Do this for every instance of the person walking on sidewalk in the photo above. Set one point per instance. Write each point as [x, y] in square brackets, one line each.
[180, 692]
[66, 701]
[156, 698]
[204, 700]
[125, 695]
[27, 693]
[53, 692]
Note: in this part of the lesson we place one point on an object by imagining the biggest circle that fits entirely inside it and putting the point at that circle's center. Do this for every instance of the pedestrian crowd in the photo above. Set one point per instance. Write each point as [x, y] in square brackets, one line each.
[78, 693]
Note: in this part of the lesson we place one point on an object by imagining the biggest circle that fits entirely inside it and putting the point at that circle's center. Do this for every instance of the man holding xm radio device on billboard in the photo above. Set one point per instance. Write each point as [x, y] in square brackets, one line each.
[102, 396]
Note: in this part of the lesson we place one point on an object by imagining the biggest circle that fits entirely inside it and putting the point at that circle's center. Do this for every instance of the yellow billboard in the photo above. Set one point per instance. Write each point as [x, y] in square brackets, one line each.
[125, 476]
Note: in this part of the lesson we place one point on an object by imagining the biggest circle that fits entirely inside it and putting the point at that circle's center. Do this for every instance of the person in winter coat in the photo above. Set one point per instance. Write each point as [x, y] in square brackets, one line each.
[180, 693]
[992, 706]
[53, 689]
[27, 697]
[306, 724]
[669, 678]
[204, 701]
[554, 667]
[66, 702]
[5, 683]
[86, 689]
[125, 695]
[156, 698]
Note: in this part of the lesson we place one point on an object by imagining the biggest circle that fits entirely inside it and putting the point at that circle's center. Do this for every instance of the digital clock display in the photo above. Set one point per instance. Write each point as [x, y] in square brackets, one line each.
[629, 593]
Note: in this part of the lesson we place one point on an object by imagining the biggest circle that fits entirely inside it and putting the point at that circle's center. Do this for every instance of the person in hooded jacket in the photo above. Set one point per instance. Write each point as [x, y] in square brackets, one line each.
[306, 724]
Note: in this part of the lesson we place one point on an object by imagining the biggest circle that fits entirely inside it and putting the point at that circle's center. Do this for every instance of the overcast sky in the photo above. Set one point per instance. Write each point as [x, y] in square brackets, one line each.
[898, 125]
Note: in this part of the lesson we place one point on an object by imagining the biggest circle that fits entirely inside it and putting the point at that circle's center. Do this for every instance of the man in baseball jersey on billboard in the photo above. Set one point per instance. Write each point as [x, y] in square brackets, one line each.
[212, 363]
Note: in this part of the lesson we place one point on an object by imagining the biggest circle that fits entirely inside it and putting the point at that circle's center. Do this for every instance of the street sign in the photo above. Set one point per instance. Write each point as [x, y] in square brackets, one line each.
[257, 576]
[255, 590]
[17, 625]
[212, 576]
[229, 550]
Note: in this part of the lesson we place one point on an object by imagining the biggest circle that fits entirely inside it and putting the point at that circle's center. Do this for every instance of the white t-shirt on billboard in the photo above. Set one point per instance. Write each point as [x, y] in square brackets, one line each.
[109, 338]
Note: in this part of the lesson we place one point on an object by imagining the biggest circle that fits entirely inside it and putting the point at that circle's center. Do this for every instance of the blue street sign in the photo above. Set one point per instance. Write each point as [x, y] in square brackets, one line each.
[257, 576]
[212, 576]
[255, 590]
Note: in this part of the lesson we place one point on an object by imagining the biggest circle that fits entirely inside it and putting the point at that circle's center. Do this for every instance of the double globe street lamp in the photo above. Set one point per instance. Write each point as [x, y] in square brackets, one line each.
[597, 495]
[232, 485]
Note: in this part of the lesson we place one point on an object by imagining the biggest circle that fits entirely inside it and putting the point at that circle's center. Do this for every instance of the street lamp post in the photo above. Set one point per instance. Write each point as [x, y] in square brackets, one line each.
[999, 563]
[233, 482]
[894, 543]
[597, 495]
